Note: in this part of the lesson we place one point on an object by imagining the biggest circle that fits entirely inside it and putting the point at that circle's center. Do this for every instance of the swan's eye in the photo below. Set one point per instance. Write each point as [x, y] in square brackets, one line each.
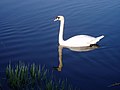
[58, 18]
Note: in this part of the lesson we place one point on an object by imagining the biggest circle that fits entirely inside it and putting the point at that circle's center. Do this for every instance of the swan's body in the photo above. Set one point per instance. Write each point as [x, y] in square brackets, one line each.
[75, 41]
[81, 41]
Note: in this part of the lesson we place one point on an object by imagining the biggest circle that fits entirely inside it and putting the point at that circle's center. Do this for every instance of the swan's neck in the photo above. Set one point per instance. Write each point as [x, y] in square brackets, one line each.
[61, 32]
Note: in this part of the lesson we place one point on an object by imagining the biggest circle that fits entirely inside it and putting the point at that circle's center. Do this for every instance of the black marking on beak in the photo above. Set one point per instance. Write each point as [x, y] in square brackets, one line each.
[57, 17]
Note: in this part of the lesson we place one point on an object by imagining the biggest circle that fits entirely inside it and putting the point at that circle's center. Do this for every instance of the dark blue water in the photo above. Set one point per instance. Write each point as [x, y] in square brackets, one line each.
[29, 34]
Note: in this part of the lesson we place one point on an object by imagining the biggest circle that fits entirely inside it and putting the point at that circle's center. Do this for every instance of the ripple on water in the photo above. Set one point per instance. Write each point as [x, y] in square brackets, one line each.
[28, 32]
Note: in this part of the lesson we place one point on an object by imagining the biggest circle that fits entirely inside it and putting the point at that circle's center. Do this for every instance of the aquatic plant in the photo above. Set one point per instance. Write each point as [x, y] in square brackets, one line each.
[17, 77]
[34, 77]
[114, 84]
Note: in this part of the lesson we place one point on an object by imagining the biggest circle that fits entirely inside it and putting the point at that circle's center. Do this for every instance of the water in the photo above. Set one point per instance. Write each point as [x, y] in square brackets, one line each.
[29, 34]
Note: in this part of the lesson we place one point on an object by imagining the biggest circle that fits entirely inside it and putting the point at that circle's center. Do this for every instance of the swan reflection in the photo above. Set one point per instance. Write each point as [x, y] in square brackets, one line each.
[77, 49]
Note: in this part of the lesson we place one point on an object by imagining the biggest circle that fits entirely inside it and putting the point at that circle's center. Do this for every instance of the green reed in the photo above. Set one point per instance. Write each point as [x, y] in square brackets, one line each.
[17, 77]
[34, 77]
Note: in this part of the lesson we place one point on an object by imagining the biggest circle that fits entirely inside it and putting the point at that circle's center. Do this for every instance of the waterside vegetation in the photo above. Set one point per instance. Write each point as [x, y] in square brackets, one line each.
[34, 77]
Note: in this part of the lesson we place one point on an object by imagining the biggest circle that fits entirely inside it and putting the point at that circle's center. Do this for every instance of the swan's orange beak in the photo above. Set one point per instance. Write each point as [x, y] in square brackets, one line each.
[55, 20]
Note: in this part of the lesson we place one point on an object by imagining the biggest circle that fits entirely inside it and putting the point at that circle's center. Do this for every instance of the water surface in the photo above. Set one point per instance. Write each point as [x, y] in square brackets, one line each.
[29, 34]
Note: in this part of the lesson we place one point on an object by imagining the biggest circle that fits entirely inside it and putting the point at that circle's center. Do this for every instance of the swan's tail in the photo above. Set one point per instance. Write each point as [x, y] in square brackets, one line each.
[97, 39]
[100, 37]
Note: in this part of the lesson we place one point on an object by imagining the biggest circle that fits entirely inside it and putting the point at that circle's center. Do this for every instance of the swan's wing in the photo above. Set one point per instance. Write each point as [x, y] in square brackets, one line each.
[79, 40]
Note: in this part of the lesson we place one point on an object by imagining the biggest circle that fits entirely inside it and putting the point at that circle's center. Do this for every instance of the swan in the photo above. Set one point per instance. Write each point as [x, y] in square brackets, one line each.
[75, 41]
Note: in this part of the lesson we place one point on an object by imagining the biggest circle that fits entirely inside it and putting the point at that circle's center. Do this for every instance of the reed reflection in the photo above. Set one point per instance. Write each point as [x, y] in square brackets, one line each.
[77, 49]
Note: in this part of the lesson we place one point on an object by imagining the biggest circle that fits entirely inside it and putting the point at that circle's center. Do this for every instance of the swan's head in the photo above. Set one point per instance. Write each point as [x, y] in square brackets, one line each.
[60, 18]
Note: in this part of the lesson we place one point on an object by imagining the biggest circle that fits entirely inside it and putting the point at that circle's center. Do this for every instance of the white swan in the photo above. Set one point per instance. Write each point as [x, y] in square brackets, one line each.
[75, 41]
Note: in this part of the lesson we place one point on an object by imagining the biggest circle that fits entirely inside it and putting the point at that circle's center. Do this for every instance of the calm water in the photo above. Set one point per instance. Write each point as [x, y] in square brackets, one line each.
[29, 34]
